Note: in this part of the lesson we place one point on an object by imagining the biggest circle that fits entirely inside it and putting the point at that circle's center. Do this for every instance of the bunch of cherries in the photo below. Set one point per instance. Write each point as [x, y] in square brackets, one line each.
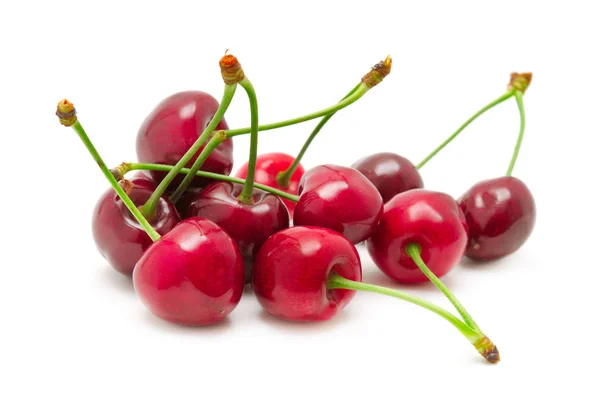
[192, 236]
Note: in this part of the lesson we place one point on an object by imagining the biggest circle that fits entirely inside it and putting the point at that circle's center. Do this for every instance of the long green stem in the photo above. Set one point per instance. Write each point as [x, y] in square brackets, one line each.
[149, 208]
[414, 251]
[283, 178]
[492, 104]
[246, 195]
[113, 182]
[519, 99]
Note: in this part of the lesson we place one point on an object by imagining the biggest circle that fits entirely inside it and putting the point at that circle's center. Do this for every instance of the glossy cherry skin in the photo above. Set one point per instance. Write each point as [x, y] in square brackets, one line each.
[431, 219]
[390, 173]
[501, 215]
[118, 236]
[193, 275]
[248, 224]
[173, 127]
[268, 166]
[291, 271]
[339, 198]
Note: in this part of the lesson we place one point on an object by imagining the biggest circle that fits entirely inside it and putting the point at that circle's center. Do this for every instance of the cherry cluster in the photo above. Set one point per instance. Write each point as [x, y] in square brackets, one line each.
[191, 236]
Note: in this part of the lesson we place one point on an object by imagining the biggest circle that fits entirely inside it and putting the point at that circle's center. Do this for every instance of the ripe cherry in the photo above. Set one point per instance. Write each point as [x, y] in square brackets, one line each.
[390, 173]
[501, 215]
[174, 126]
[339, 198]
[193, 275]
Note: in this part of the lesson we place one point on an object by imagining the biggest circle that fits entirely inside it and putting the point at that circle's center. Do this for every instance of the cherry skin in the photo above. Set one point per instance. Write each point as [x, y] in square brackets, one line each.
[173, 127]
[339, 198]
[118, 236]
[193, 275]
[268, 166]
[248, 224]
[291, 271]
[431, 219]
[390, 173]
[501, 215]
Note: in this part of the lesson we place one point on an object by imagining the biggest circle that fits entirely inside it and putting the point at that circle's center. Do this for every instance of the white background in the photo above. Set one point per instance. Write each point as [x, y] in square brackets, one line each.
[73, 327]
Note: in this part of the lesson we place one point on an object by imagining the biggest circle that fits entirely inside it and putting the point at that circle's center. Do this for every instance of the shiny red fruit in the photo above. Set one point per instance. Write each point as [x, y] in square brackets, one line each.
[291, 271]
[501, 216]
[431, 219]
[390, 173]
[339, 198]
[193, 275]
[268, 166]
[173, 127]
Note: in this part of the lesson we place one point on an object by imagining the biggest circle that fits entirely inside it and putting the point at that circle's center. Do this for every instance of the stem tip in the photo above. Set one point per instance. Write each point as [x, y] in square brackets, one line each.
[487, 349]
[231, 69]
[66, 113]
[520, 81]
[378, 72]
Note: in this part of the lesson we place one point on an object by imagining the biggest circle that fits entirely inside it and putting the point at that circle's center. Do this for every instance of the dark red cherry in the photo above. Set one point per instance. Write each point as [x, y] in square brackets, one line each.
[119, 237]
[501, 215]
[173, 127]
[268, 166]
[291, 271]
[248, 224]
[431, 219]
[193, 275]
[390, 173]
[339, 198]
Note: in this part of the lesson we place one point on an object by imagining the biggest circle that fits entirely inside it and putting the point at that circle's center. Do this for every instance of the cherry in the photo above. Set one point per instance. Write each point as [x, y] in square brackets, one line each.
[268, 166]
[118, 236]
[339, 198]
[501, 215]
[249, 224]
[429, 219]
[292, 269]
[390, 173]
[142, 179]
[193, 275]
[174, 126]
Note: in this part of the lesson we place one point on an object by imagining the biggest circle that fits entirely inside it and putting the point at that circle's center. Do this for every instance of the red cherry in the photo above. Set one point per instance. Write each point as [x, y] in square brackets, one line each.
[390, 173]
[119, 237]
[248, 224]
[268, 166]
[431, 219]
[501, 215]
[339, 198]
[173, 127]
[291, 271]
[142, 179]
[193, 275]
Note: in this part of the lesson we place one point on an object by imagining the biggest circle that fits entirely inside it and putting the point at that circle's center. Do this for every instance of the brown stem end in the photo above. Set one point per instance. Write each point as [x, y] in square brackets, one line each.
[378, 72]
[520, 81]
[231, 69]
[67, 115]
[120, 171]
[487, 349]
[127, 186]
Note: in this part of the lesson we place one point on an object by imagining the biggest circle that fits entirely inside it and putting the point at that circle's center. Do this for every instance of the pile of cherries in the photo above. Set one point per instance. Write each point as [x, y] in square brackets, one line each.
[192, 236]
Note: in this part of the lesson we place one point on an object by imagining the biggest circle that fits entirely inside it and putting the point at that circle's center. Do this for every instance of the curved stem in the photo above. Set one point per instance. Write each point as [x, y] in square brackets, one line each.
[149, 208]
[362, 89]
[492, 104]
[283, 178]
[519, 99]
[113, 182]
[246, 195]
[414, 251]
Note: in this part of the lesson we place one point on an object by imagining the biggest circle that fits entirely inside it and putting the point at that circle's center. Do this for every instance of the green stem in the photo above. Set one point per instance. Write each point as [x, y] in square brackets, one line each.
[214, 176]
[519, 99]
[283, 178]
[362, 89]
[246, 195]
[113, 182]
[414, 251]
[492, 104]
[149, 208]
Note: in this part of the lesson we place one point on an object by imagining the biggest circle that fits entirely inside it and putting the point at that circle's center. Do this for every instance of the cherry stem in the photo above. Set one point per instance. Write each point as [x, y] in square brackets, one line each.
[149, 208]
[414, 251]
[246, 195]
[283, 178]
[113, 182]
[483, 345]
[127, 167]
[489, 106]
[519, 99]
